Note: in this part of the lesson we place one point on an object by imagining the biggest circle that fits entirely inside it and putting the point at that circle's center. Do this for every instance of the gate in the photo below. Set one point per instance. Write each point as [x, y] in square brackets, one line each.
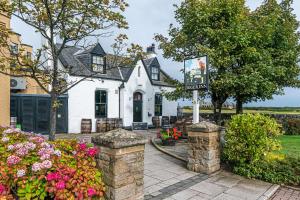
[33, 113]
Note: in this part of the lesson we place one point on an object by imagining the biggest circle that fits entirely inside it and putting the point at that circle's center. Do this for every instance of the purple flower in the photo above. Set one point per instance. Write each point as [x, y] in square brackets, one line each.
[46, 164]
[21, 173]
[45, 156]
[22, 152]
[57, 153]
[36, 167]
[10, 147]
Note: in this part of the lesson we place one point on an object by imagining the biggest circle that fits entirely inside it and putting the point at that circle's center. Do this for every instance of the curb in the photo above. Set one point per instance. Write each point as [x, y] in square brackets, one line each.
[269, 193]
[167, 152]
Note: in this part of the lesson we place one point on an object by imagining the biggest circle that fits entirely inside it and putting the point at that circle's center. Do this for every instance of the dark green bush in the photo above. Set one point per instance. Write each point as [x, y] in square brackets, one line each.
[286, 171]
[292, 126]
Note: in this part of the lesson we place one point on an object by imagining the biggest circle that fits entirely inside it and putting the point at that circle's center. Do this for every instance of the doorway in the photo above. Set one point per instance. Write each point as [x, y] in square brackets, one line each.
[137, 107]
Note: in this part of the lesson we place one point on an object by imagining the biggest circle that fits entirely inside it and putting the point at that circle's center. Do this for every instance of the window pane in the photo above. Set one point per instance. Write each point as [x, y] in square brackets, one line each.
[97, 96]
[103, 97]
[155, 76]
[102, 110]
[158, 110]
[154, 70]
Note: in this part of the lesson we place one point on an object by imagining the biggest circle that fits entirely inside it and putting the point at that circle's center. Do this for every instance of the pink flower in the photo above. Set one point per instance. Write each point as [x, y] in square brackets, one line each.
[92, 151]
[45, 145]
[66, 178]
[60, 185]
[2, 189]
[45, 157]
[37, 139]
[91, 192]
[22, 151]
[30, 145]
[5, 139]
[46, 164]
[82, 146]
[36, 167]
[12, 160]
[53, 176]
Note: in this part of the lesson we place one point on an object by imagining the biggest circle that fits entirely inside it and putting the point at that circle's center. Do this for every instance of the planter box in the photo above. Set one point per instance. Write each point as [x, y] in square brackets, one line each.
[169, 142]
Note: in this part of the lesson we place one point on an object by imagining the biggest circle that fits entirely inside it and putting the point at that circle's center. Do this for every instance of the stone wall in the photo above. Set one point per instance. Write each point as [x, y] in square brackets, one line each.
[121, 161]
[204, 147]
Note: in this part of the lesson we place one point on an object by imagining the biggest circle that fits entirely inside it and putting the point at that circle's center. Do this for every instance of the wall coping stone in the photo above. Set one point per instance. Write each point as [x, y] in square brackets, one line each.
[119, 138]
[204, 126]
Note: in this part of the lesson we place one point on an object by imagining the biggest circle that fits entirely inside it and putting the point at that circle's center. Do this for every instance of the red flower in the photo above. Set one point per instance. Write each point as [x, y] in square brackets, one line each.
[53, 176]
[82, 146]
[2, 189]
[92, 152]
[91, 192]
[60, 185]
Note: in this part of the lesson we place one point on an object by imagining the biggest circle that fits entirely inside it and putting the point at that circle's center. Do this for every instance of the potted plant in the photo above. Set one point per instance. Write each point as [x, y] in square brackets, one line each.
[167, 138]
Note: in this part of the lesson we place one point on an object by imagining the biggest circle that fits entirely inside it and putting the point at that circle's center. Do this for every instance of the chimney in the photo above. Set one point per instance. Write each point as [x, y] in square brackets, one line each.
[151, 51]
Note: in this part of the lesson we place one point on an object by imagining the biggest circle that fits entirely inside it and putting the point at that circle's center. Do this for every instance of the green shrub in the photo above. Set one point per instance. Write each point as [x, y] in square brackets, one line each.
[286, 171]
[249, 138]
[292, 126]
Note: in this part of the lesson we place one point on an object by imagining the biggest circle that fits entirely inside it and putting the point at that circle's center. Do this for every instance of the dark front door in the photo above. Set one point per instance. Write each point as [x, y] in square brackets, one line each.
[137, 107]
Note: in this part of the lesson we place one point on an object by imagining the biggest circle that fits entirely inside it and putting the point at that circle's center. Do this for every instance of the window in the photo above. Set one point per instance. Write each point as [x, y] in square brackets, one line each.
[14, 49]
[158, 105]
[139, 72]
[28, 55]
[100, 104]
[98, 64]
[154, 73]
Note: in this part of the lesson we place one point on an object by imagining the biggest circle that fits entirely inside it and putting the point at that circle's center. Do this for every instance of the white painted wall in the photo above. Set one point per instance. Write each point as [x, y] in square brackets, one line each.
[143, 84]
[82, 101]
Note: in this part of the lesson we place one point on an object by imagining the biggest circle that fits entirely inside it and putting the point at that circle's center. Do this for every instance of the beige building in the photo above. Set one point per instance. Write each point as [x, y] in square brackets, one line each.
[30, 85]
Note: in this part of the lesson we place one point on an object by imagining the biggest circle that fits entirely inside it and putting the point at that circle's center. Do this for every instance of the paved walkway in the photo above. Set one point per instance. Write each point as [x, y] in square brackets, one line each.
[286, 194]
[168, 178]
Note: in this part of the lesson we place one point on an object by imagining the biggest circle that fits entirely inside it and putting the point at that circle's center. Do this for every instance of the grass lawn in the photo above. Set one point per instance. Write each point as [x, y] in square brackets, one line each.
[290, 145]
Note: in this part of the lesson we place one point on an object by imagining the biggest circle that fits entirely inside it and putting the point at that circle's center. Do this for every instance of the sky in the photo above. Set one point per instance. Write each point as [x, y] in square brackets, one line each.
[148, 17]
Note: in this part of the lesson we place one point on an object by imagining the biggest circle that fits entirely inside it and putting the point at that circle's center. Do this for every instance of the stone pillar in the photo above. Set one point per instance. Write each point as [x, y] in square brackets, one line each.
[204, 147]
[121, 161]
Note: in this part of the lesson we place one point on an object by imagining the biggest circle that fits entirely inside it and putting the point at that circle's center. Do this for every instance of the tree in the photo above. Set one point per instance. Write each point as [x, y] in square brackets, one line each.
[251, 57]
[271, 63]
[212, 28]
[73, 22]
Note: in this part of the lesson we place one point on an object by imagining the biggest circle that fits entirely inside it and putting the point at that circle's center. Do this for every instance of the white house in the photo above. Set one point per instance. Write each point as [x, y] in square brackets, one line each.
[131, 93]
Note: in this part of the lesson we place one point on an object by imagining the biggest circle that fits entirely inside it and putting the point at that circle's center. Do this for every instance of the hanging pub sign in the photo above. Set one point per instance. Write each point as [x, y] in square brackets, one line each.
[196, 74]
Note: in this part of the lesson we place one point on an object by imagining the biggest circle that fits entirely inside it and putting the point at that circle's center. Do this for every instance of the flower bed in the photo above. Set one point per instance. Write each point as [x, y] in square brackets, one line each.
[169, 136]
[33, 168]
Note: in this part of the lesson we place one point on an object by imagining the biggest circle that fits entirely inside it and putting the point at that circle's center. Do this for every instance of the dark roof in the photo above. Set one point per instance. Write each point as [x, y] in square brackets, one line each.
[78, 61]
[163, 76]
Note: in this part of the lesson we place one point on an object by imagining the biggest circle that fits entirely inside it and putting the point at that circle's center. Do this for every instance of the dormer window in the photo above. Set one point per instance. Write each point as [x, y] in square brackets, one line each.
[98, 64]
[14, 49]
[154, 73]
